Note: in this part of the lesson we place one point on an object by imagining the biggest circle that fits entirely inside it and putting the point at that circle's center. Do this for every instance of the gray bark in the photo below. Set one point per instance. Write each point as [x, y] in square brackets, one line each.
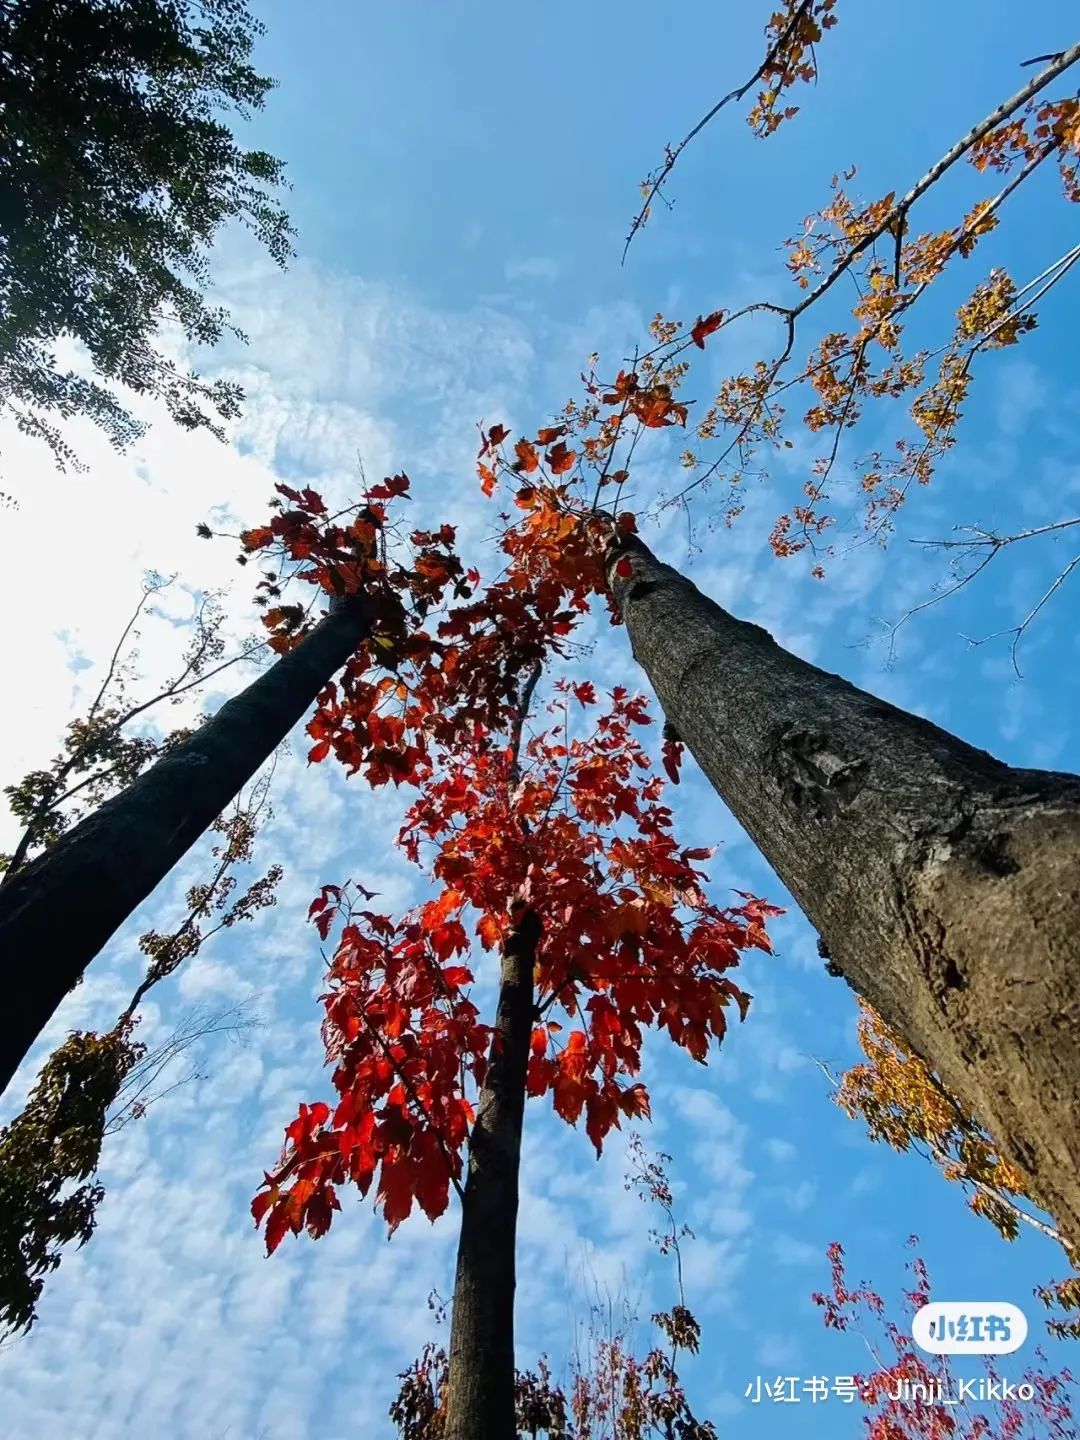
[57, 912]
[945, 884]
[480, 1382]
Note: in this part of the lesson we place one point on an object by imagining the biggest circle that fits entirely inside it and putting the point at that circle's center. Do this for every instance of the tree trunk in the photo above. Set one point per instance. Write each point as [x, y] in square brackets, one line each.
[480, 1388]
[57, 912]
[945, 885]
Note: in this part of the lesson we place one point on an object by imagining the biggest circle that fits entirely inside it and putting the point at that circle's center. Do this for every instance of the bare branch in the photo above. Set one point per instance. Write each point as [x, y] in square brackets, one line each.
[151, 587]
[672, 155]
[988, 538]
[937, 598]
[991, 545]
[1017, 631]
[200, 1024]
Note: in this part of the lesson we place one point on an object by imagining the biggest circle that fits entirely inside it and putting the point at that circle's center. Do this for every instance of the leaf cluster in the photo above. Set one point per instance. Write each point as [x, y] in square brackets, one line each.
[117, 170]
[92, 1084]
[898, 1361]
[903, 1103]
[570, 824]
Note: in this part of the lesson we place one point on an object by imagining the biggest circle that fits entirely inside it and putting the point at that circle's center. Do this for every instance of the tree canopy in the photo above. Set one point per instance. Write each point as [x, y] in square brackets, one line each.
[117, 169]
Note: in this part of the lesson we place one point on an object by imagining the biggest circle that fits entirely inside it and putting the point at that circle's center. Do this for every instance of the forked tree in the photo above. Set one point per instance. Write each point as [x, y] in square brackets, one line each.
[558, 846]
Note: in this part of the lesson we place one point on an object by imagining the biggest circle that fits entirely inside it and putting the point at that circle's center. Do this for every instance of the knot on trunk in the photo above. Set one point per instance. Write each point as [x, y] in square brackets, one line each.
[810, 772]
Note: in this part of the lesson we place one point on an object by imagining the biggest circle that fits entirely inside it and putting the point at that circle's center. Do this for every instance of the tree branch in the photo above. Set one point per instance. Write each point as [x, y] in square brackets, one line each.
[672, 156]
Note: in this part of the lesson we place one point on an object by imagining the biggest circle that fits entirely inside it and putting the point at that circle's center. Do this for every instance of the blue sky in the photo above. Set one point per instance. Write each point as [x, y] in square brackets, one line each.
[464, 177]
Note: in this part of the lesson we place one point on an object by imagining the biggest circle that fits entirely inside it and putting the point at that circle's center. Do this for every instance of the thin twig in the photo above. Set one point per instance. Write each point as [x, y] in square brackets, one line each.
[898, 213]
[672, 156]
[936, 599]
[153, 588]
[987, 537]
[1017, 631]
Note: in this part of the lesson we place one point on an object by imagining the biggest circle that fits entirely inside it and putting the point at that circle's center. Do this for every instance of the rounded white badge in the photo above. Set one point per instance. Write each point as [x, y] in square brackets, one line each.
[969, 1327]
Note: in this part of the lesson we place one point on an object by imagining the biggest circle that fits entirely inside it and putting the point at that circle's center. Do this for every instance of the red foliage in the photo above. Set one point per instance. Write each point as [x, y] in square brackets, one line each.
[704, 326]
[630, 941]
[902, 1370]
[573, 825]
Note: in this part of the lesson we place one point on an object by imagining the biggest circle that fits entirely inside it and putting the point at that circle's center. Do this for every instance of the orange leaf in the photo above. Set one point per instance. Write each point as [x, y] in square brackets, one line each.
[560, 459]
[395, 1192]
[527, 459]
[550, 435]
[601, 1113]
[635, 1102]
[487, 479]
[276, 1227]
[630, 919]
[489, 931]
[263, 1202]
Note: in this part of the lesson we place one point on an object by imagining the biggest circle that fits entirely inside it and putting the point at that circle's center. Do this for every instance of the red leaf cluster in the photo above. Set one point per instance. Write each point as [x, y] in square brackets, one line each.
[568, 820]
[576, 825]
[704, 326]
[347, 554]
[917, 1414]
[399, 1030]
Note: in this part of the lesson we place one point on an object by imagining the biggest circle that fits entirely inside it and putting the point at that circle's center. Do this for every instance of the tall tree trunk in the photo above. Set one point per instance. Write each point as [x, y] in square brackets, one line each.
[945, 885]
[480, 1388]
[57, 912]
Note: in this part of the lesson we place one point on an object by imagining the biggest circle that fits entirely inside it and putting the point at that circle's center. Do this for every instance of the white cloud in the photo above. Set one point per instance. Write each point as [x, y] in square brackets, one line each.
[791, 1252]
[532, 267]
[171, 1321]
[782, 1151]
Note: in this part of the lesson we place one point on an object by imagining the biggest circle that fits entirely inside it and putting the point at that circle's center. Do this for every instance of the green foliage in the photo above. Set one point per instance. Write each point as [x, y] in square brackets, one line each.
[92, 1084]
[95, 748]
[116, 171]
[56, 1140]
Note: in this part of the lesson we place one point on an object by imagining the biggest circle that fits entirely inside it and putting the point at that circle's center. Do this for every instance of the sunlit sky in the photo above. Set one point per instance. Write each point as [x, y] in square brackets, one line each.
[464, 177]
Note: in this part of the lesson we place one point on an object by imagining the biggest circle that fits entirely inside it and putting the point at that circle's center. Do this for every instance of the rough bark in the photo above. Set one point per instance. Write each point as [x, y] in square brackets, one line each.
[480, 1383]
[57, 912]
[945, 884]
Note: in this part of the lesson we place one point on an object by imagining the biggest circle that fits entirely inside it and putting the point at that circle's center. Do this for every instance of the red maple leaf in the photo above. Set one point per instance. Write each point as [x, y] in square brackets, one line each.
[705, 326]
